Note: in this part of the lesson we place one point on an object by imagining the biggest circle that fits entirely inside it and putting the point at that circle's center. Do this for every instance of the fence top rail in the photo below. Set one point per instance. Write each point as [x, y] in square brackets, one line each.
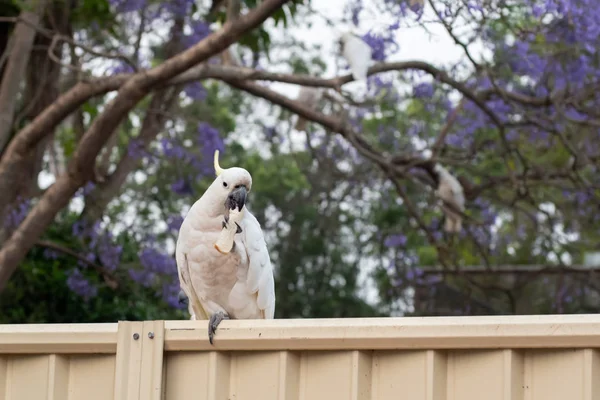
[416, 333]
[475, 332]
[58, 338]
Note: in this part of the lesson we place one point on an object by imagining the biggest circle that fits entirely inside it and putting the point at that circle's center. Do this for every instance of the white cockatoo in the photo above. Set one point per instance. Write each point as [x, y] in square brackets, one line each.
[450, 191]
[229, 56]
[221, 285]
[309, 97]
[357, 53]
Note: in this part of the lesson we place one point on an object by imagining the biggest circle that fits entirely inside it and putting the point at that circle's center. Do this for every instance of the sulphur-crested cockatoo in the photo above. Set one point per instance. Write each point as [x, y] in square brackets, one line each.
[450, 191]
[230, 55]
[357, 53]
[309, 97]
[235, 282]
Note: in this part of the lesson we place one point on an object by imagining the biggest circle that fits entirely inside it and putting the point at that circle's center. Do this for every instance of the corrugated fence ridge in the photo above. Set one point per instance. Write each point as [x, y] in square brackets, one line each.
[551, 357]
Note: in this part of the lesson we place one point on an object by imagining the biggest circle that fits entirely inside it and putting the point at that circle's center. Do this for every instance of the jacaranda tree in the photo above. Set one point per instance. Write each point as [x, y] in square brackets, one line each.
[111, 111]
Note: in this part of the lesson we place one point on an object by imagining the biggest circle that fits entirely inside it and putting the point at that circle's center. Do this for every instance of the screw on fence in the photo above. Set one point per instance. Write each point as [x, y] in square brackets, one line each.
[151, 335]
[136, 336]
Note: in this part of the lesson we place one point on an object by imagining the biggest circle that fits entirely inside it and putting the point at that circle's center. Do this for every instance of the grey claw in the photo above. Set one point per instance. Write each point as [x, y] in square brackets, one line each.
[239, 228]
[214, 322]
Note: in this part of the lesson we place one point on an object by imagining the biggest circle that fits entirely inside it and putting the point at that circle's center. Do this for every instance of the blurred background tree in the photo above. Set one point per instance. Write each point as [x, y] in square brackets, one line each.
[347, 203]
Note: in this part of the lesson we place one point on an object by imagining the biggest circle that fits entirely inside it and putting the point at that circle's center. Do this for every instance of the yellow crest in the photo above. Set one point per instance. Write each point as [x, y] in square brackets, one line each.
[218, 168]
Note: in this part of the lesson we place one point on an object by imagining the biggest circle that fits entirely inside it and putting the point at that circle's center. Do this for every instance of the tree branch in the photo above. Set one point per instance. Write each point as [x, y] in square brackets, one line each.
[514, 270]
[156, 116]
[108, 278]
[80, 168]
[22, 43]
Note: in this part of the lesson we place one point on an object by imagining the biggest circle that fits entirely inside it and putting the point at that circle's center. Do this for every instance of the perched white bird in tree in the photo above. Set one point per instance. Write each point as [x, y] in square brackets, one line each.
[221, 284]
[230, 56]
[357, 53]
[450, 191]
[310, 97]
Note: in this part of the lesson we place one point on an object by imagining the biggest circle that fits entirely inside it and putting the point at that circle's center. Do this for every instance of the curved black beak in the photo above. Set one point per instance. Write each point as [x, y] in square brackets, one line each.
[237, 197]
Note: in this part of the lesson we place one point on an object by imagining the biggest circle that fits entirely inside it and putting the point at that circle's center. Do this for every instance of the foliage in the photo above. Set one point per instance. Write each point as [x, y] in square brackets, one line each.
[348, 211]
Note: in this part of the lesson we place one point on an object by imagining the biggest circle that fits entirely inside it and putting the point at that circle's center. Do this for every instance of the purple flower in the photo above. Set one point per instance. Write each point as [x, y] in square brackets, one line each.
[356, 7]
[80, 285]
[174, 222]
[122, 68]
[398, 8]
[376, 84]
[270, 132]
[172, 150]
[200, 30]
[50, 254]
[179, 8]
[109, 253]
[423, 90]
[380, 45]
[125, 6]
[182, 187]
[195, 91]
[170, 294]
[157, 261]
[145, 278]
[395, 240]
[87, 189]
[210, 140]
[17, 213]
[155, 266]
[77, 228]
[455, 140]
[136, 149]
[100, 245]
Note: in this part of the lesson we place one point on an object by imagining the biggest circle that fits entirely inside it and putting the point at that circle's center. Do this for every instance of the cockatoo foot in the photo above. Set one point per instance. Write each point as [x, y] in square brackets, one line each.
[214, 322]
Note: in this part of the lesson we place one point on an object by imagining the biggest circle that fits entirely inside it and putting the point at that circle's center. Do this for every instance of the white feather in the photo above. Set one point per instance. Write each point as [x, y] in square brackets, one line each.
[260, 271]
[451, 191]
[234, 54]
[309, 97]
[358, 54]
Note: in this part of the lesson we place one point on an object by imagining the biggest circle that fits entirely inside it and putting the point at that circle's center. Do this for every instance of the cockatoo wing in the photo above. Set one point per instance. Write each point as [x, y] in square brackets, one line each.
[260, 278]
[185, 282]
[455, 191]
[309, 95]
[358, 55]
[451, 191]
[449, 188]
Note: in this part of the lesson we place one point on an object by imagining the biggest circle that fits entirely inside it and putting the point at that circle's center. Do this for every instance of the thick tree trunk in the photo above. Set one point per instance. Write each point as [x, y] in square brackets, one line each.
[42, 89]
[21, 45]
[137, 87]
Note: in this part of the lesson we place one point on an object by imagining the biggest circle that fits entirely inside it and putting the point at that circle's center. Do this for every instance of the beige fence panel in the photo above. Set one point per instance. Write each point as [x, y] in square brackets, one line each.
[57, 362]
[455, 358]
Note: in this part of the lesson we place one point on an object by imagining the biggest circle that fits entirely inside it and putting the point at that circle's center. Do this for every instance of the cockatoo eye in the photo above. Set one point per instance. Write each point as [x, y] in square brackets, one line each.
[225, 184]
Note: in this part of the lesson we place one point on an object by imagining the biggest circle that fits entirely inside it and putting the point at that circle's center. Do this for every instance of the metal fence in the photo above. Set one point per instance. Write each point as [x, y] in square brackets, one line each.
[443, 358]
